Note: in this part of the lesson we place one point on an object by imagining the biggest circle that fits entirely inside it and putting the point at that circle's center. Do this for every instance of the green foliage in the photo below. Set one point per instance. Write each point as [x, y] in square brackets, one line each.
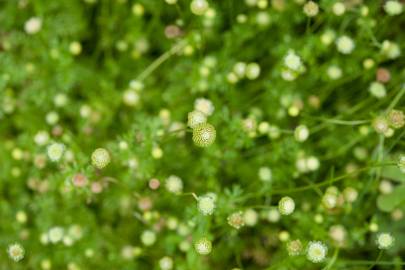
[242, 102]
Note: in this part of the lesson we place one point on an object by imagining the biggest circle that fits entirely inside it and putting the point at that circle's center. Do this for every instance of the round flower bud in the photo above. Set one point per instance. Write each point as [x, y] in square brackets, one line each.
[311, 9]
[301, 133]
[206, 205]
[385, 240]
[316, 251]
[377, 90]
[157, 152]
[236, 220]
[380, 125]
[345, 44]
[60, 100]
[199, 7]
[396, 119]
[171, 2]
[130, 97]
[204, 135]
[100, 158]
[334, 72]
[52, 118]
[55, 234]
[250, 217]
[41, 138]
[148, 238]
[265, 174]
[294, 248]
[204, 105]
[338, 234]
[390, 49]
[338, 8]
[350, 194]
[195, 118]
[252, 71]
[273, 215]
[55, 151]
[75, 48]
[286, 206]
[16, 252]
[166, 263]
[292, 61]
[174, 184]
[203, 246]
[33, 25]
[21, 217]
[240, 69]
[393, 7]
[328, 37]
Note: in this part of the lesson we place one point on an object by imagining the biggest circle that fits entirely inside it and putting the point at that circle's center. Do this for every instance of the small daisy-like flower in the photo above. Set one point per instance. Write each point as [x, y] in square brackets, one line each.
[292, 61]
[55, 151]
[236, 220]
[286, 206]
[174, 184]
[195, 118]
[316, 251]
[396, 119]
[294, 248]
[199, 7]
[148, 238]
[311, 9]
[301, 133]
[385, 240]
[252, 71]
[377, 90]
[380, 125]
[203, 246]
[33, 25]
[206, 205]
[204, 135]
[204, 105]
[345, 44]
[16, 252]
[393, 7]
[401, 163]
[166, 263]
[100, 158]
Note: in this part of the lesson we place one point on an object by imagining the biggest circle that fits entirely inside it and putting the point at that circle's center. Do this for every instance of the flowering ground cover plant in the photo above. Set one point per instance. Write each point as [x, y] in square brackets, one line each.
[202, 134]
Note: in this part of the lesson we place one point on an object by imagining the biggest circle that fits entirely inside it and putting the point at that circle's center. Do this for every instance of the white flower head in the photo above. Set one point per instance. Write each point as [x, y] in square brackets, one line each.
[265, 174]
[377, 90]
[55, 151]
[130, 97]
[251, 217]
[41, 138]
[148, 238]
[195, 118]
[292, 61]
[55, 234]
[16, 252]
[199, 7]
[174, 184]
[286, 205]
[301, 133]
[252, 71]
[338, 8]
[33, 25]
[206, 205]
[393, 7]
[316, 251]
[166, 263]
[311, 9]
[334, 72]
[385, 240]
[345, 44]
[100, 158]
[204, 105]
[203, 246]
